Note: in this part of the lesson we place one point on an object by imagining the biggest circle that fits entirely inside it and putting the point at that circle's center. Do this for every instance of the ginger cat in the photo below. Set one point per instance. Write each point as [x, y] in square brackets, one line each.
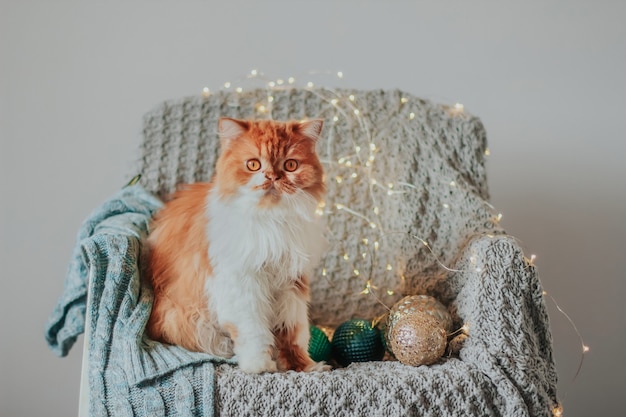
[230, 260]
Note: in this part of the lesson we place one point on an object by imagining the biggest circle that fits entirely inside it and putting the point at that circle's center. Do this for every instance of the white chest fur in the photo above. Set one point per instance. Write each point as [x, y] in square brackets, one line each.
[258, 254]
[285, 240]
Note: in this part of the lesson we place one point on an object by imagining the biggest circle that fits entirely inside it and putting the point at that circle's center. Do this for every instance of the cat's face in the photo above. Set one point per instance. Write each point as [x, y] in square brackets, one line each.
[268, 159]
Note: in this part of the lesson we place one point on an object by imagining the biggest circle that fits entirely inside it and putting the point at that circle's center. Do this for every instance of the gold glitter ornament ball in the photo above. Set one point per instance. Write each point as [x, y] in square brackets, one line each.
[417, 339]
[423, 304]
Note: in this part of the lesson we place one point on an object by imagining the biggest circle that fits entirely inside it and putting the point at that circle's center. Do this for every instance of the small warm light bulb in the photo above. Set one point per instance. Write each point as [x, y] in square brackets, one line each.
[339, 179]
[404, 100]
[389, 267]
[271, 84]
[354, 175]
[270, 99]
[339, 206]
[356, 272]
[351, 97]
[585, 348]
[459, 107]
[226, 84]
[411, 116]
[356, 112]
[335, 118]
[376, 210]
[366, 241]
[323, 272]
[339, 74]
[390, 292]
[334, 101]
[346, 257]
[254, 72]
[291, 80]
[262, 109]
[280, 81]
[310, 84]
[206, 92]
[452, 184]
[487, 152]
[239, 89]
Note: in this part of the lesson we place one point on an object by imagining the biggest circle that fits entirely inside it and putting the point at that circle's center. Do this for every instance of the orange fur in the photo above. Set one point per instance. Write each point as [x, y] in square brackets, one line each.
[290, 355]
[301, 287]
[178, 266]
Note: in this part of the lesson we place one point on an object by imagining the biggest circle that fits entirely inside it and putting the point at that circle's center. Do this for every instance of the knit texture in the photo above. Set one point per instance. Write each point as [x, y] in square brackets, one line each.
[433, 157]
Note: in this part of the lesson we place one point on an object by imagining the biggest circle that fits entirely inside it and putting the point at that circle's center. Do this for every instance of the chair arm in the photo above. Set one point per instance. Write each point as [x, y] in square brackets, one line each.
[500, 299]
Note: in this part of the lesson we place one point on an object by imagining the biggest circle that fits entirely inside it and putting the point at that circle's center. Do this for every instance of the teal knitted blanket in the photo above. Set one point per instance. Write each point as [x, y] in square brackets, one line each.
[121, 359]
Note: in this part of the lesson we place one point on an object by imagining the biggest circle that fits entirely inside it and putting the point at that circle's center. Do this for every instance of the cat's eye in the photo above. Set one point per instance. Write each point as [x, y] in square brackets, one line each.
[253, 164]
[291, 165]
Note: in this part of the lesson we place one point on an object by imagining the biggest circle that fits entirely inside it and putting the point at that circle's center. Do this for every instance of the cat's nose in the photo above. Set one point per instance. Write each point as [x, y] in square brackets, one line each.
[271, 175]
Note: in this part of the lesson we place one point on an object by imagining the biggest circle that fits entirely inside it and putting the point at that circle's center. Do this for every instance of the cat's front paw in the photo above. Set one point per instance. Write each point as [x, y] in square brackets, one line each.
[257, 364]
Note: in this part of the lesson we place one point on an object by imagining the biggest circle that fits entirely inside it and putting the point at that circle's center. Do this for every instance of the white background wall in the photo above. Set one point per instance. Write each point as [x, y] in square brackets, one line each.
[547, 79]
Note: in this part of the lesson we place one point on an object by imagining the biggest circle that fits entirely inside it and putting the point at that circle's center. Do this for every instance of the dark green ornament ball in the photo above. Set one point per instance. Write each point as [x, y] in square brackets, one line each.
[356, 341]
[319, 345]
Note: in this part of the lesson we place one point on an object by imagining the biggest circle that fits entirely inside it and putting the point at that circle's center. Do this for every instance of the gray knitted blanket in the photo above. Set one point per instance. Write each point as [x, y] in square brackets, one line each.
[407, 213]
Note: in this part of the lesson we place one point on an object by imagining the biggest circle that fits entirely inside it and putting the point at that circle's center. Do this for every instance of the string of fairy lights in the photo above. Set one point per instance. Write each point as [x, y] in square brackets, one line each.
[359, 165]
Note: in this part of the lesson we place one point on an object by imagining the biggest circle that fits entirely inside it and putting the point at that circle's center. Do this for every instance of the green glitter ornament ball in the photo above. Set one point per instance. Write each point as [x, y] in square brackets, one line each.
[357, 341]
[319, 345]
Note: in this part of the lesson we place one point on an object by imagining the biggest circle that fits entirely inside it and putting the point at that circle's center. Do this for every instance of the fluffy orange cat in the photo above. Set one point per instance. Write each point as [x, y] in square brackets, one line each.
[229, 260]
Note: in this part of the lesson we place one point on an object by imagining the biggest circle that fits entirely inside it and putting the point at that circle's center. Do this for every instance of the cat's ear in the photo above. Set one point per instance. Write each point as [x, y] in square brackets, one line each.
[230, 129]
[312, 128]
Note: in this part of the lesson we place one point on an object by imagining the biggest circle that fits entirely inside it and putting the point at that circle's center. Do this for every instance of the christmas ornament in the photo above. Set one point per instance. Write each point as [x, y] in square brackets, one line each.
[380, 323]
[420, 303]
[417, 339]
[357, 341]
[328, 331]
[319, 345]
[416, 330]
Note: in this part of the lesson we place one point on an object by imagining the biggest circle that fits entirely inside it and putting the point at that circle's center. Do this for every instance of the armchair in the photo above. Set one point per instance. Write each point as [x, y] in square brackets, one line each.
[407, 213]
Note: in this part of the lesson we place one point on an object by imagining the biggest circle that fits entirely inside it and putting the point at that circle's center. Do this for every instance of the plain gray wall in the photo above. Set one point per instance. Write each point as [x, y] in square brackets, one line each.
[547, 79]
